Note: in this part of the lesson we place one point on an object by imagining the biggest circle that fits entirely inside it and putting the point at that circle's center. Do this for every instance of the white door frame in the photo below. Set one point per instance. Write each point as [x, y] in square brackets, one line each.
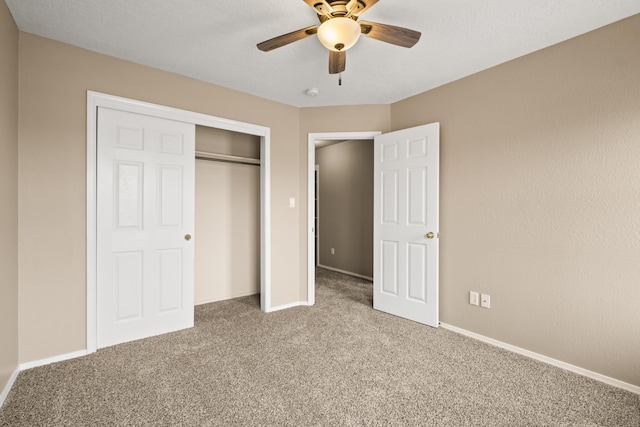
[311, 166]
[316, 208]
[95, 100]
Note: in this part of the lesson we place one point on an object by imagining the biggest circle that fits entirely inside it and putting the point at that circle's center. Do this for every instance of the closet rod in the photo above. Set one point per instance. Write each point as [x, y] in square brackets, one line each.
[202, 155]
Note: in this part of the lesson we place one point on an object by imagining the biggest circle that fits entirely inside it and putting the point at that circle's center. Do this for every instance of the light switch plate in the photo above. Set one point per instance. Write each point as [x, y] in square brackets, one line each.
[474, 297]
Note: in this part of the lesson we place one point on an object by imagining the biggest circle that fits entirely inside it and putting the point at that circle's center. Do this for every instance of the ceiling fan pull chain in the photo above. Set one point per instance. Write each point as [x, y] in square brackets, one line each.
[340, 79]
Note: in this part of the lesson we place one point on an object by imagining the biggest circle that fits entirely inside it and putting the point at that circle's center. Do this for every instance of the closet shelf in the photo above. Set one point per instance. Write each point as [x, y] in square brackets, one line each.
[227, 158]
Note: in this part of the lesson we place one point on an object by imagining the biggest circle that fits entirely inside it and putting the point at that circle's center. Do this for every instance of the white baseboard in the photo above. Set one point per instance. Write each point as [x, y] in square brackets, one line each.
[54, 359]
[558, 363]
[240, 295]
[35, 364]
[346, 272]
[290, 305]
[8, 385]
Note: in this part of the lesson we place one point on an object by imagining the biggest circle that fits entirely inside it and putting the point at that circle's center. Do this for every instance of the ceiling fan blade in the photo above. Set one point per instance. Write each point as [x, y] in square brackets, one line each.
[337, 61]
[390, 34]
[356, 7]
[285, 39]
[321, 6]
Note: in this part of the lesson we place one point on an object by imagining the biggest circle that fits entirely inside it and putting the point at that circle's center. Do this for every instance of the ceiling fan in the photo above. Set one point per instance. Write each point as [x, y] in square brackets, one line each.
[340, 29]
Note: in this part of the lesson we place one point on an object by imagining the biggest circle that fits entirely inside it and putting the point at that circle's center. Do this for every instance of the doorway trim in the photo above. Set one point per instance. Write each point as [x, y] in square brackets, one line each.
[97, 99]
[311, 167]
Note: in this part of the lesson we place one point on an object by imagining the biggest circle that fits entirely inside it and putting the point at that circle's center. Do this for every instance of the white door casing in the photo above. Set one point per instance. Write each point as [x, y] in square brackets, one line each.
[406, 175]
[96, 100]
[145, 219]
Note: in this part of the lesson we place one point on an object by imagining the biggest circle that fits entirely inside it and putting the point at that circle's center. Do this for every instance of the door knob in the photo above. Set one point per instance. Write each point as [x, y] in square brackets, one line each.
[430, 235]
[187, 237]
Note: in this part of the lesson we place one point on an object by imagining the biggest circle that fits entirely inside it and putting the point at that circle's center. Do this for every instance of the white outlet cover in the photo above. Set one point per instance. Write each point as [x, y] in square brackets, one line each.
[485, 301]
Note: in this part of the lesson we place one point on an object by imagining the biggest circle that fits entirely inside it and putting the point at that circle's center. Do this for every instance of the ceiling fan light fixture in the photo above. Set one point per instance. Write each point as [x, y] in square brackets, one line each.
[339, 34]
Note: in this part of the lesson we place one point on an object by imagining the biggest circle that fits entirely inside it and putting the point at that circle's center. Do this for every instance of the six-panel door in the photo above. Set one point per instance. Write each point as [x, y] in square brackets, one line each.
[406, 223]
[145, 209]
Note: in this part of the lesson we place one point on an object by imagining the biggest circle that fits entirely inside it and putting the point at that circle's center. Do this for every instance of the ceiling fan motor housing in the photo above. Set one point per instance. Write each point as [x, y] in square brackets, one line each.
[336, 8]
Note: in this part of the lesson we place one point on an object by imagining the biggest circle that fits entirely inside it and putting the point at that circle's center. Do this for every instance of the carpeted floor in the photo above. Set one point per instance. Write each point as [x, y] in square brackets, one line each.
[337, 363]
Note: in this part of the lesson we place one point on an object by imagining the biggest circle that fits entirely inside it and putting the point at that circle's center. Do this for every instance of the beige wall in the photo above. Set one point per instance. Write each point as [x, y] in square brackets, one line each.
[8, 195]
[346, 206]
[54, 78]
[540, 199]
[227, 218]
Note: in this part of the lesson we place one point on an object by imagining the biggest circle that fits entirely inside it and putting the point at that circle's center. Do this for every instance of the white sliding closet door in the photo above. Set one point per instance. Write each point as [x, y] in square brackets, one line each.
[145, 218]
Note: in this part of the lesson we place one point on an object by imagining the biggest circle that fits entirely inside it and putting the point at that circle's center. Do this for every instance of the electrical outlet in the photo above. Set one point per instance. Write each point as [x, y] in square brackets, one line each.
[485, 300]
[333, 251]
[473, 298]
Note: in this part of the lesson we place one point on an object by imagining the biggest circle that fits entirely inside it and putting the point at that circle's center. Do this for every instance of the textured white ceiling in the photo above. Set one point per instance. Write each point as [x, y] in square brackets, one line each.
[215, 40]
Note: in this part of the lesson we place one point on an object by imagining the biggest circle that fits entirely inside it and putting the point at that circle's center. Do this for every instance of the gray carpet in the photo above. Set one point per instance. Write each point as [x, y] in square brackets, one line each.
[337, 363]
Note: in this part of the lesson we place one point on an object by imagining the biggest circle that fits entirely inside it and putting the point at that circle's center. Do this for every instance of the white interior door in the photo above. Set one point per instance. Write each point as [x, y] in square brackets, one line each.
[145, 216]
[406, 173]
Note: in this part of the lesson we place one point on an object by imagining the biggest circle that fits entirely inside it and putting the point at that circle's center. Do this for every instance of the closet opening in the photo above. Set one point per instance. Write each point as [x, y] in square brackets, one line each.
[260, 134]
[227, 215]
